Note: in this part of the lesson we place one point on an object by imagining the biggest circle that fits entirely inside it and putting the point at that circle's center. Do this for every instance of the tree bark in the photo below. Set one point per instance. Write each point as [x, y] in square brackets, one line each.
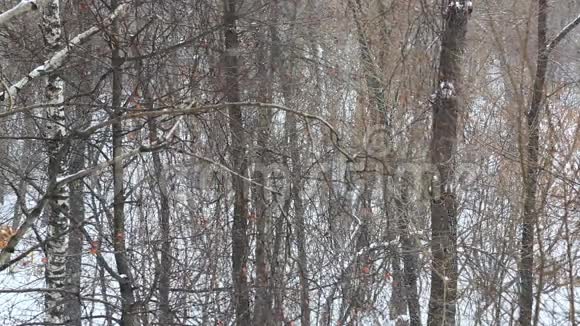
[75, 240]
[56, 246]
[263, 314]
[128, 308]
[239, 164]
[295, 167]
[165, 317]
[442, 303]
[530, 178]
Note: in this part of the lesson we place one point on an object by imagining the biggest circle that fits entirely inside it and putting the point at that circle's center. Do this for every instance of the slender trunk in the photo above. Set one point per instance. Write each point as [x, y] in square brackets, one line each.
[530, 215]
[56, 246]
[25, 164]
[570, 268]
[406, 292]
[278, 265]
[75, 247]
[164, 212]
[300, 238]
[128, 313]
[446, 106]
[375, 110]
[295, 193]
[263, 306]
[165, 317]
[238, 153]
[409, 253]
[81, 117]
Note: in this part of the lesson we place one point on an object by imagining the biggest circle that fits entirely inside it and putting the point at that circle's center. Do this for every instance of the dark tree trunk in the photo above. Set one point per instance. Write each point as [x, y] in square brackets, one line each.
[409, 255]
[165, 317]
[530, 214]
[446, 106]
[239, 164]
[128, 314]
[263, 314]
[75, 242]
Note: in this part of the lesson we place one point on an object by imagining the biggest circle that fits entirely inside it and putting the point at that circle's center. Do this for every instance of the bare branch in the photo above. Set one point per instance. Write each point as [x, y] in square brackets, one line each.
[563, 33]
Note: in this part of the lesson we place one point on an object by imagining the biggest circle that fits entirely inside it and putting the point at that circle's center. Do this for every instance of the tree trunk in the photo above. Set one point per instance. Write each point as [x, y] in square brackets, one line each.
[56, 246]
[165, 317]
[442, 304]
[296, 184]
[530, 178]
[128, 314]
[239, 164]
[75, 242]
[263, 314]
[409, 253]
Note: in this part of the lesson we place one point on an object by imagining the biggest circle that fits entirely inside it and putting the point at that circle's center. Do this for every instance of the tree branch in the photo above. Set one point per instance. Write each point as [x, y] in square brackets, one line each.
[563, 33]
[20, 9]
[59, 58]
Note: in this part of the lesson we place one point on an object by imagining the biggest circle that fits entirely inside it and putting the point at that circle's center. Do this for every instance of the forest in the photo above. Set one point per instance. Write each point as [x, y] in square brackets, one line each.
[290, 162]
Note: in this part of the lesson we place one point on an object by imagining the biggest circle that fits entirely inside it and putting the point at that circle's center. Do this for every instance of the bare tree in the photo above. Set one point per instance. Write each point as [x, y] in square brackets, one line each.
[446, 109]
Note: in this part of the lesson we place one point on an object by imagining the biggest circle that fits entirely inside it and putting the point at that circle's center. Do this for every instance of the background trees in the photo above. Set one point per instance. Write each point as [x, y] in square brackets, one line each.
[284, 162]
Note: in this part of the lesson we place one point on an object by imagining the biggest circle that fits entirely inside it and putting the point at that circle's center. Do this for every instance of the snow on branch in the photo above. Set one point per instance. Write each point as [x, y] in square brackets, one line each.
[20, 9]
[59, 58]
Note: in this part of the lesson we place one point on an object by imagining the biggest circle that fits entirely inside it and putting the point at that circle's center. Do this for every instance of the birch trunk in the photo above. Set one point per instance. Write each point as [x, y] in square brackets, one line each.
[56, 246]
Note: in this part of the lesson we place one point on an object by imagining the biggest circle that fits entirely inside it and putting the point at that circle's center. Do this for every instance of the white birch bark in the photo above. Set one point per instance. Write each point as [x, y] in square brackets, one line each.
[20, 9]
[61, 56]
[56, 247]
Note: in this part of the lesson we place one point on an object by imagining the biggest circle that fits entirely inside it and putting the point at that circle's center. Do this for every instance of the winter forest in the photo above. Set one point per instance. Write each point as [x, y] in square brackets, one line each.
[290, 162]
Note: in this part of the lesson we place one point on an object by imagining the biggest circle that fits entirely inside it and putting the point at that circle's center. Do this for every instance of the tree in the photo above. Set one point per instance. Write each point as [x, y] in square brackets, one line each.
[58, 224]
[446, 110]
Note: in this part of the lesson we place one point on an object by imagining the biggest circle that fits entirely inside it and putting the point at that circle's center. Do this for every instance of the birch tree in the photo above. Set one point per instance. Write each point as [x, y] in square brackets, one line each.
[56, 246]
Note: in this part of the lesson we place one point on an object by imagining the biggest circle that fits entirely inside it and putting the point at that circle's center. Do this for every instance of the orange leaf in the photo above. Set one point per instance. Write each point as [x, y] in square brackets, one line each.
[94, 249]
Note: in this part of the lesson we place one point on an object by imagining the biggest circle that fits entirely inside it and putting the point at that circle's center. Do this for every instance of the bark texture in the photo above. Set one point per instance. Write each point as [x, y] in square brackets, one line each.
[239, 164]
[129, 315]
[263, 313]
[446, 106]
[56, 246]
[530, 214]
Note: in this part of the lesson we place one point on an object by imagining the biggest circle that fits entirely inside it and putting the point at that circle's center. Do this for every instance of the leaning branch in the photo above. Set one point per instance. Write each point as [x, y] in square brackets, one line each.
[563, 33]
[59, 58]
[20, 9]
[191, 107]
